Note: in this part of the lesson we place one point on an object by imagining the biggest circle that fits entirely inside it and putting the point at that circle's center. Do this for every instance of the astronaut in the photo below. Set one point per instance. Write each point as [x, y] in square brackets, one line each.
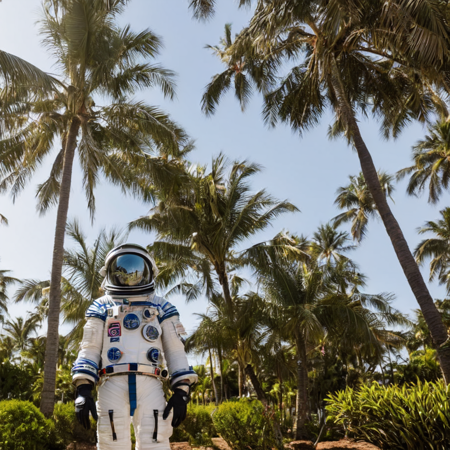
[129, 336]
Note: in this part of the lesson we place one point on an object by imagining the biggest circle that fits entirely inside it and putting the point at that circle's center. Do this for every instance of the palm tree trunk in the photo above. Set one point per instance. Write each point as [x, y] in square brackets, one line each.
[241, 381]
[211, 369]
[219, 353]
[302, 388]
[256, 384]
[51, 350]
[223, 278]
[431, 314]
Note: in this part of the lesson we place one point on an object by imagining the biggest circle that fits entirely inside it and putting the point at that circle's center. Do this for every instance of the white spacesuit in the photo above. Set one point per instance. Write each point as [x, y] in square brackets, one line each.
[129, 335]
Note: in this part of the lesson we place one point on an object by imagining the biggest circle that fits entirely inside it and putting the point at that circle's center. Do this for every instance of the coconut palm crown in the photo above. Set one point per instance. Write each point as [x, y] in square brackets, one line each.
[211, 218]
[431, 168]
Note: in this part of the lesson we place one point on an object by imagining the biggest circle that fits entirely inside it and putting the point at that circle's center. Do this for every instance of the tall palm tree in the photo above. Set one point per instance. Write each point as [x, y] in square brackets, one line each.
[437, 248]
[431, 157]
[358, 203]
[96, 57]
[338, 63]
[210, 218]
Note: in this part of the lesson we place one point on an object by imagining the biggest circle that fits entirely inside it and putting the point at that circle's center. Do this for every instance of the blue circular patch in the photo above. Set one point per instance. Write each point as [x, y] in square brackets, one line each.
[147, 314]
[150, 332]
[153, 354]
[114, 354]
[131, 322]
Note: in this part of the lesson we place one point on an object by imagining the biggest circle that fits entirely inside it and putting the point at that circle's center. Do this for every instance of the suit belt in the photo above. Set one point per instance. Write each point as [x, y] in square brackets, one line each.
[139, 369]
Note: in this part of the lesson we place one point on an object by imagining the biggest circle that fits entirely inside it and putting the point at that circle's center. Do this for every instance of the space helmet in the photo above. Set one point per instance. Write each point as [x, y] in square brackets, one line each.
[129, 270]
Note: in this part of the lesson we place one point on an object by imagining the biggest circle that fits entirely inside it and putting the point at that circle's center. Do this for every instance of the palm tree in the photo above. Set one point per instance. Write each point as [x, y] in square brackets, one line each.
[329, 245]
[20, 331]
[437, 248]
[205, 340]
[5, 281]
[431, 157]
[339, 63]
[358, 202]
[210, 218]
[81, 281]
[306, 301]
[7, 347]
[96, 57]
[204, 9]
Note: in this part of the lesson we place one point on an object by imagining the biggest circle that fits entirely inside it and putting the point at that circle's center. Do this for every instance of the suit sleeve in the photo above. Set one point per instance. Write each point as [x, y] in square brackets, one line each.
[87, 364]
[173, 345]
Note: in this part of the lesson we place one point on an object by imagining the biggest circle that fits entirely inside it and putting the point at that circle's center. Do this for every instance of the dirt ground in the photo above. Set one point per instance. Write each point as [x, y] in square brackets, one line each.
[218, 442]
[343, 444]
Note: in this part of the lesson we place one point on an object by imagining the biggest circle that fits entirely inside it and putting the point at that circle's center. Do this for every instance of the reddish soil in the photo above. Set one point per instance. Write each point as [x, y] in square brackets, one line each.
[343, 444]
[346, 444]
[218, 442]
[81, 446]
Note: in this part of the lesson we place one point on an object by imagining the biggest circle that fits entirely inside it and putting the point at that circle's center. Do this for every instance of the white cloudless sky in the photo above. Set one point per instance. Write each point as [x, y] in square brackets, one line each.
[306, 170]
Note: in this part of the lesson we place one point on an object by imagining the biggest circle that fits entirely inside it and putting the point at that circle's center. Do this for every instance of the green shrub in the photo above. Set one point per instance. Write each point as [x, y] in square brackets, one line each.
[197, 428]
[244, 424]
[23, 426]
[15, 382]
[414, 416]
[67, 428]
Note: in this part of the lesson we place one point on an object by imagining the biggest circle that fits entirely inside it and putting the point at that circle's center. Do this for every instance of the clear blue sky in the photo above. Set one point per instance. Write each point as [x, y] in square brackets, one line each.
[305, 170]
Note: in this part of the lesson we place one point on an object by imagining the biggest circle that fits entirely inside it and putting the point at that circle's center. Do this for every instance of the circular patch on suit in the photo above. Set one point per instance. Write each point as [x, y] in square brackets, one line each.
[153, 354]
[147, 313]
[131, 322]
[114, 354]
[150, 332]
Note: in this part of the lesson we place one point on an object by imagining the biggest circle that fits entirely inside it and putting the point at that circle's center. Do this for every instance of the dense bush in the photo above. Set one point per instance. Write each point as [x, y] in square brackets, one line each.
[244, 424]
[23, 426]
[414, 416]
[197, 428]
[15, 382]
[67, 429]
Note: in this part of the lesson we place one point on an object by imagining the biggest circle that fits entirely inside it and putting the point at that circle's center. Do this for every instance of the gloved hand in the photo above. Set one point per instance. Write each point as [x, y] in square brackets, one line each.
[83, 404]
[178, 402]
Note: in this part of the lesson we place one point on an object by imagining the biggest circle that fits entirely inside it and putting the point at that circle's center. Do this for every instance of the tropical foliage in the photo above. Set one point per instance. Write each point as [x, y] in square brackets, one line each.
[292, 345]
[417, 415]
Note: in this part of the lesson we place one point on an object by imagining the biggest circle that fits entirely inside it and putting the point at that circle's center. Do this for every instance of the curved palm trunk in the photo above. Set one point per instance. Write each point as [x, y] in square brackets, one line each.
[431, 314]
[223, 279]
[211, 369]
[256, 384]
[301, 405]
[51, 350]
